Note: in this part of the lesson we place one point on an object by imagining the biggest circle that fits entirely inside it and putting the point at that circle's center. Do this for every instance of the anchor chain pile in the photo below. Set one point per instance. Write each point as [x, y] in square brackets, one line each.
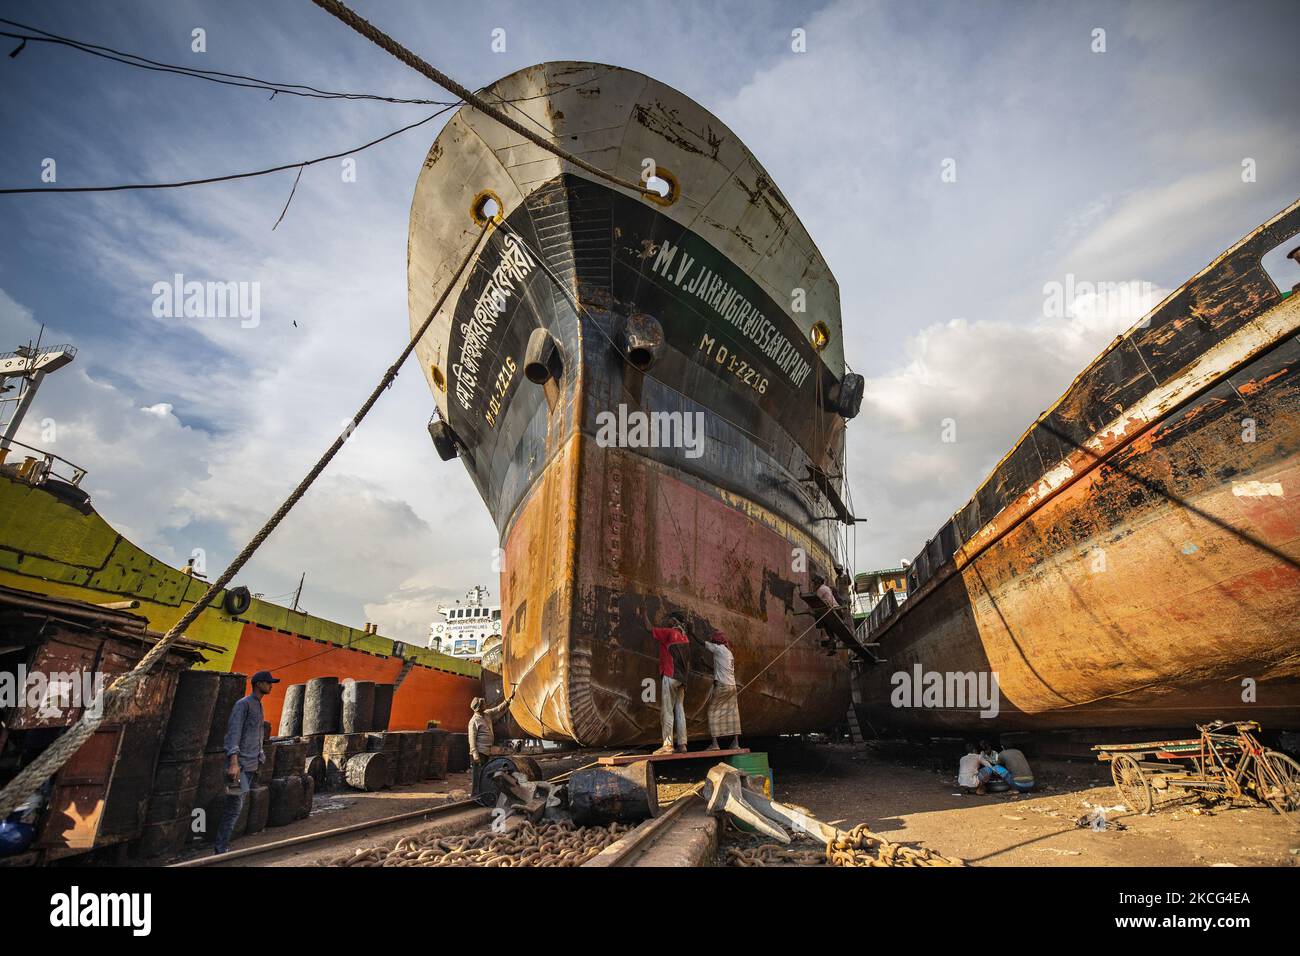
[861, 847]
[858, 847]
[530, 844]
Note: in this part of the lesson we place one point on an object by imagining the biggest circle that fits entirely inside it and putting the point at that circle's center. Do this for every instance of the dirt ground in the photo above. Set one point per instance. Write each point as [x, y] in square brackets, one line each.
[909, 795]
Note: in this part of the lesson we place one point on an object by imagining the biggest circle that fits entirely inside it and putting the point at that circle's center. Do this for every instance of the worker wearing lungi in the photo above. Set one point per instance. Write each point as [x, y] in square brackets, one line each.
[674, 668]
[724, 703]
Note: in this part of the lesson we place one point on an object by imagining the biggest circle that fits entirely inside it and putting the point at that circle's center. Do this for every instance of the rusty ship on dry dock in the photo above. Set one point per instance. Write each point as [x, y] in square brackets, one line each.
[709, 302]
[1134, 560]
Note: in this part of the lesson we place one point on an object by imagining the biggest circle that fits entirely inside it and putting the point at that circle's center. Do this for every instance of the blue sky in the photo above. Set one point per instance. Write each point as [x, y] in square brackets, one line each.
[1115, 166]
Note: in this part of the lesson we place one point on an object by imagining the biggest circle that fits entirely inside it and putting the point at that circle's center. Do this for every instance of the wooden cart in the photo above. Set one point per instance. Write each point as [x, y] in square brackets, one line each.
[1226, 762]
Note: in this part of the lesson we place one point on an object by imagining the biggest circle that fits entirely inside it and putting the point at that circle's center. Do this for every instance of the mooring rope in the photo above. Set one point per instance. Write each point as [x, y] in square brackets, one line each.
[122, 690]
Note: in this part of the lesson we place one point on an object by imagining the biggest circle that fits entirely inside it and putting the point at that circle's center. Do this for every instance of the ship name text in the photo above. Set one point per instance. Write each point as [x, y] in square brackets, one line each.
[727, 301]
[476, 333]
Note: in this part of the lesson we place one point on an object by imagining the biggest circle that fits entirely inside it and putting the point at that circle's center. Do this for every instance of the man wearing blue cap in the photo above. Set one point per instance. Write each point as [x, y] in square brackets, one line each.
[244, 748]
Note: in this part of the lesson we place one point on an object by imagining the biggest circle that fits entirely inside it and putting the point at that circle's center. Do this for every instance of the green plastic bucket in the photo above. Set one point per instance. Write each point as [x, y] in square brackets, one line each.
[755, 765]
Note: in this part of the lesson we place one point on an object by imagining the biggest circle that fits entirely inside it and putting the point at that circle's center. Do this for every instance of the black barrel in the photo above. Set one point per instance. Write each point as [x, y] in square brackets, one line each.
[291, 711]
[231, 689]
[438, 753]
[383, 706]
[190, 723]
[387, 742]
[601, 795]
[177, 774]
[358, 706]
[286, 801]
[320, 709]
[336, 750]
[290, 758]
[259, 808]
[171, 805]
[408, 756]
[308, 794]
[314, 767]
[266, 770]
[457, 752]
[212, 777]
[161, 839]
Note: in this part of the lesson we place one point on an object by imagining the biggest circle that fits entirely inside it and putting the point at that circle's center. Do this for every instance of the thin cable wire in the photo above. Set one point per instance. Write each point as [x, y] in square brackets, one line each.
[233, 176]
[212, 76]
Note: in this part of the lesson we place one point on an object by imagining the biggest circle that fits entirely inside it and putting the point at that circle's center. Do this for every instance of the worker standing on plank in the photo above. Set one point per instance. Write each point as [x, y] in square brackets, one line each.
[674, 667]
[481, 737]
[243, 747]
[724, 703]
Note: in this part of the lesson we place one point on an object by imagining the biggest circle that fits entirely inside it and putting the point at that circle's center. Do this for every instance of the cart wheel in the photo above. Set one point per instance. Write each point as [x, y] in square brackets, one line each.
[1131, 782]
[1281, 788]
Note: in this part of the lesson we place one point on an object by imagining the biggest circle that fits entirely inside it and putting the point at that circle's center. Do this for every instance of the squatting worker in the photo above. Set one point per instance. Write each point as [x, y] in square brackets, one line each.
[245, 753]
[724, 703]
[481, 737]
[1021, 776]
[674, 668]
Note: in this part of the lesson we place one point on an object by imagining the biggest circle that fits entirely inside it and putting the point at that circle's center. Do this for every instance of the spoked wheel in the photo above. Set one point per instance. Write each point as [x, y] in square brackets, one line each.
[1132, 784]
[1280, 788]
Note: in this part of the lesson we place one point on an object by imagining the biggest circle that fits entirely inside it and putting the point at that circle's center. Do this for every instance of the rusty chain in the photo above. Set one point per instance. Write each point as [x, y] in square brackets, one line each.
[549, 844]
[859, 847]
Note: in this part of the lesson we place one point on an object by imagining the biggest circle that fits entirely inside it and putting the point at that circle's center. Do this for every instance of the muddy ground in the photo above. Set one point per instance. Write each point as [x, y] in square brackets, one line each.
[909, 796]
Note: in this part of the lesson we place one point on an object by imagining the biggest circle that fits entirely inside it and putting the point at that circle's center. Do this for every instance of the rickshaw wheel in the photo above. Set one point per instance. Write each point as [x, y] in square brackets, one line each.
[1284, 798]
[1132, 784]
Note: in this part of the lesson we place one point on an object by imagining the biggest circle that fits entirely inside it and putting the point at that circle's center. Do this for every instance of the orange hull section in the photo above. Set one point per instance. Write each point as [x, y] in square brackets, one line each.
[426, 693]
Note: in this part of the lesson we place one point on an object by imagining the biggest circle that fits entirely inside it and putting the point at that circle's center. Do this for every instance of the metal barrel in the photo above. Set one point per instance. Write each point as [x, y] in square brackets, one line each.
[212, 777]
[177, 774]
[308, 793]
[457, 752]
[408, 756]
[358, 706]
[286, 801]
[295, 695]
[600, 795]
[231, 689]
[314, 767]
[368, 771]
[259, 809]
[290, 758]
[320, 712]
[383, 706]
[190, 723]
[439, 750]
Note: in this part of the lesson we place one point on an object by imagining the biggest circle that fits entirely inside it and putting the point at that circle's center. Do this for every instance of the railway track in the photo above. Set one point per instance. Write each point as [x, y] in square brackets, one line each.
[456, 816]
[683, 835]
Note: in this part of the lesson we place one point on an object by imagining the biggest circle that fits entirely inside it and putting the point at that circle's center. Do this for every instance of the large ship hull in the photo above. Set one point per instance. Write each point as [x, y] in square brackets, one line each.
[1147, 574]
[596, 526]
[54, 546]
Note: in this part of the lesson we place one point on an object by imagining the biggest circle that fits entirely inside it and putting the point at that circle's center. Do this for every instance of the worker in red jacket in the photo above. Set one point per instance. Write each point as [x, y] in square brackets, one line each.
[674, 668]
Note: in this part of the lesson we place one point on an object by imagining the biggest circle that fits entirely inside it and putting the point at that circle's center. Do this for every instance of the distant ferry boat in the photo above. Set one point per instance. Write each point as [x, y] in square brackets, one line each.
[470, 629]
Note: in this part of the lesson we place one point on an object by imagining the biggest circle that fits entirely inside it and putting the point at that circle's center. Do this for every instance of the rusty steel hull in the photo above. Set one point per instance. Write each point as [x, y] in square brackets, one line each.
[597, 531]
[1152, 577]
[642, 535]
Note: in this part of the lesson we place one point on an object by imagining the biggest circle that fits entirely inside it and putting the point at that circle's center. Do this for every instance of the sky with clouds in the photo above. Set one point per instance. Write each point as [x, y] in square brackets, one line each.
[1115, 166]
